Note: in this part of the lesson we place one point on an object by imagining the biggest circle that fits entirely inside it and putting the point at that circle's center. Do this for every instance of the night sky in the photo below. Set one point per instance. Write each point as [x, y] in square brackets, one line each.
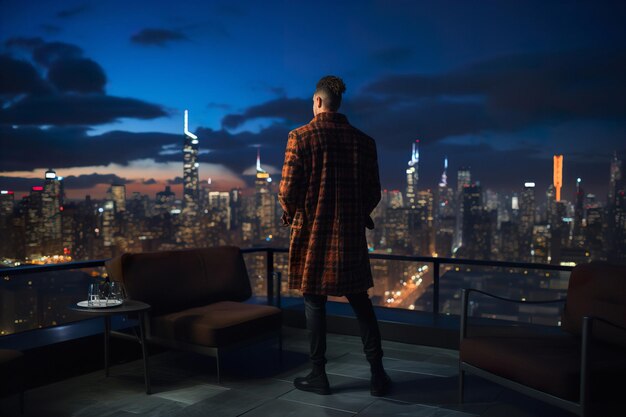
[97, 90]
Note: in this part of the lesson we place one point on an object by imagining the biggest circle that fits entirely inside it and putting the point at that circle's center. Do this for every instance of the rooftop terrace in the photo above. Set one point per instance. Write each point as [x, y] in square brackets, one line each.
[254, 384]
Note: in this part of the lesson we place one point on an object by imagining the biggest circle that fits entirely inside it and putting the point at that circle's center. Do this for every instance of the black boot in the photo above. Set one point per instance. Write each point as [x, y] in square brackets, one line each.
[380, 382]
[316, 382]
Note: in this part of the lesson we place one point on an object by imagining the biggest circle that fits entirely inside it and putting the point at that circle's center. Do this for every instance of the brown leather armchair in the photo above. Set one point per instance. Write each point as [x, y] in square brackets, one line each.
[197, 298]
[580, 368]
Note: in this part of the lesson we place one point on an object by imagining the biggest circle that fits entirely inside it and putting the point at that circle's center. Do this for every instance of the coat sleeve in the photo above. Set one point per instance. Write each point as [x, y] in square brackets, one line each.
[372, 186]
[291, 187]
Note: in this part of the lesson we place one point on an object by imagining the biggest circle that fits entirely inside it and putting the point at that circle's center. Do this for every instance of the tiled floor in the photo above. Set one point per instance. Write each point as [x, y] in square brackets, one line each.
[253, 385]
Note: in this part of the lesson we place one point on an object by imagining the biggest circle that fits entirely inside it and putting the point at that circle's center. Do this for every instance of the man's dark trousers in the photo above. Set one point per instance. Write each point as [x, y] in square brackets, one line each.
[315, 311]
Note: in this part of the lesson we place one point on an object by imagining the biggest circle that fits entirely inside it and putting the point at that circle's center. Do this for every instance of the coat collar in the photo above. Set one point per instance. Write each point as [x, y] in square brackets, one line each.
[330, 117]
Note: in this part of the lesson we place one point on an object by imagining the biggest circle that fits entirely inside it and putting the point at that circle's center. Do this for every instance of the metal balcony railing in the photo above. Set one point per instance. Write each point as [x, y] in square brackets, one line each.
[273, 292]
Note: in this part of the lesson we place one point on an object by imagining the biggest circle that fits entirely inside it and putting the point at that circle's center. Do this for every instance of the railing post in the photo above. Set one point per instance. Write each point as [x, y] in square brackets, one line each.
[435, 289]
[269, 276]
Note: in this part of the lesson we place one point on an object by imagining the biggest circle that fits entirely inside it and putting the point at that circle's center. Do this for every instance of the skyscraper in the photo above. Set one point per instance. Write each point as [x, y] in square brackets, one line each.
[189, 227]
[476, 225]
[578, 237]
[51, 214]
[445, 216]
[421, 231]
[191, 181]
[265, 202]
[464, 178]
[34, 223]
[7, 201]
[558, 175]
[164, 202]
[412, 177]
[117, 193]
[615, 178]
[527, 220]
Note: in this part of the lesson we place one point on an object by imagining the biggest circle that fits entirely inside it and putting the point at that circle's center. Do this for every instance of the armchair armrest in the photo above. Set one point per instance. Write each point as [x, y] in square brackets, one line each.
[465, 293]
[605, 321]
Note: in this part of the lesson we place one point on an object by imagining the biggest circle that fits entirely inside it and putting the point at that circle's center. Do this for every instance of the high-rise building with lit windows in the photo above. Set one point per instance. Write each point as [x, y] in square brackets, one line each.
[558, 175]
[117, 193]
[191, 181]
[412, 177]
[615, 225]
[463, 180]
[34, 227]
[421, 230]
[51, 214]
[578, 237]
[527, 221]
[7, 205]
[189, 231]
[445, 216]
[265, 202]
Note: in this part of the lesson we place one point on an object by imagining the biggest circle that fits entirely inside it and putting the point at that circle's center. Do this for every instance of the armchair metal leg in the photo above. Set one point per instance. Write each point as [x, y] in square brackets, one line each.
[280, 348]
[461, 384]
[217, 361]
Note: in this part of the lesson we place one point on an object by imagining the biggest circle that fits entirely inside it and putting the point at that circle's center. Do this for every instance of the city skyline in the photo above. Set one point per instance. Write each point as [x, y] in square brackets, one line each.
[500, 89]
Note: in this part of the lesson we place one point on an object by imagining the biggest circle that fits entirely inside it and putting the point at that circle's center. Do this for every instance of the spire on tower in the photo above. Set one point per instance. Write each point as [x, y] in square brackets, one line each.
[186, 128]
[415, 154]
[258, 159]
[444, 174]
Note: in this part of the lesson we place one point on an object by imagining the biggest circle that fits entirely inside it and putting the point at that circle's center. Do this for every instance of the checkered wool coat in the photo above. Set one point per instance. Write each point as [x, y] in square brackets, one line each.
[329, 187]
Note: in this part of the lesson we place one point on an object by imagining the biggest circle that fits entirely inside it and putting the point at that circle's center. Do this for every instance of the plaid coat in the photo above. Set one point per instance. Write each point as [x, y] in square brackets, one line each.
[329, 187]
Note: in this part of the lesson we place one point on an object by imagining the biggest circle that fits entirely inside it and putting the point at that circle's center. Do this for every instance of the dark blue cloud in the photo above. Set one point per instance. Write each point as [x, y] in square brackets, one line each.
[157, 37]
[292, 110]
[73, 11]
[65, 110]
[20, 77]
[77, 75]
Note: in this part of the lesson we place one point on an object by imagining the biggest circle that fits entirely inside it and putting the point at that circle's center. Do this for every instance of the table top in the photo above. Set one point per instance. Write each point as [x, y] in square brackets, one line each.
[128, 306]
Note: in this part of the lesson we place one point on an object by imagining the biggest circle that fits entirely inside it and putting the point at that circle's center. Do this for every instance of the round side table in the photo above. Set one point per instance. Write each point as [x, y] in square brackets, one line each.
[128, 306]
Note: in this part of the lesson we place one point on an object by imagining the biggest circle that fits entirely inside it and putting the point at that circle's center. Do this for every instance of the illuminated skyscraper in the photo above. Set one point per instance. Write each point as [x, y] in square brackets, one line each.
[412, 177]
[578, 237]
[189, 233]
[558, 175]
[616, 176]
[616, 213]
[235, 208]
[477, 225]
[527, 220]
[164, 202]
[108, 225]
[421, 230]
[34, 227]
[191, 182]
[395, 199]
[117, 193]
[7, 201]
[265, 202]
[445, 216]
[51, 212]
[464, 178]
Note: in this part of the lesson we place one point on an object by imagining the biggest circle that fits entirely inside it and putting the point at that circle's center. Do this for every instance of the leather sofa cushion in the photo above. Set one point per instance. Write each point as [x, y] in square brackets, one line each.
[218, 324]
[549, 363]
[172, 281]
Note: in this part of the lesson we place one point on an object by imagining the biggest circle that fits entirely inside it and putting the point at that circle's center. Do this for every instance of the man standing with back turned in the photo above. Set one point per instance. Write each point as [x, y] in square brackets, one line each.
[329, 187]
